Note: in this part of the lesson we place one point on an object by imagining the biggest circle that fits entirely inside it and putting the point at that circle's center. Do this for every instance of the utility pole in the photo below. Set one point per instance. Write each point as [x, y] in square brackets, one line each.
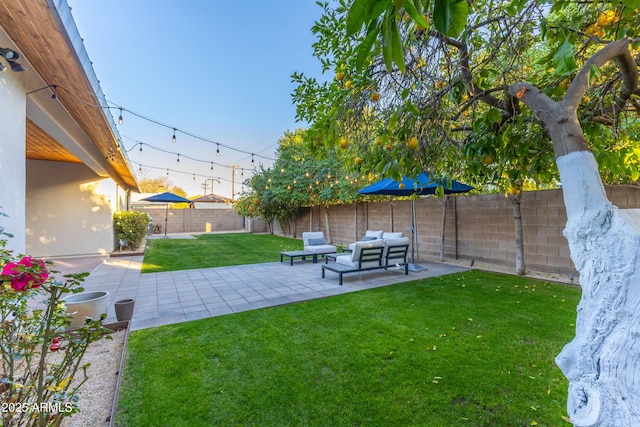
[212, 179]
[205, 188]
[233, 180]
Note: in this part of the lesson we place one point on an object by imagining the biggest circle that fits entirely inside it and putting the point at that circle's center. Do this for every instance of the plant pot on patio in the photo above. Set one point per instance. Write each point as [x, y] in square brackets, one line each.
[86, 304]
[124, 309]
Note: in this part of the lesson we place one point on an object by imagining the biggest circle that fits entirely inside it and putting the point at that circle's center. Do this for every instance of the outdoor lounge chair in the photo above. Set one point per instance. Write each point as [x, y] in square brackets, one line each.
[315, 242]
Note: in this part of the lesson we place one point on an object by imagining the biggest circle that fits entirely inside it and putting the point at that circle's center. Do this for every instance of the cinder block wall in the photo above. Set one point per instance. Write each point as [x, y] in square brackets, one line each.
[479, 228]
[197, 220]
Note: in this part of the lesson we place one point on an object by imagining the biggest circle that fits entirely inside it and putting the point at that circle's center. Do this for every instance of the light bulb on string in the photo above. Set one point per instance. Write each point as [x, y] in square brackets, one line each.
[139, 168]
[211, 166]
[140, 151]
[167, 172]
[252, 161]
[178, 160]
[194, 176]
[120, 120]
[218, 150]
[173, 139]
[242, 173]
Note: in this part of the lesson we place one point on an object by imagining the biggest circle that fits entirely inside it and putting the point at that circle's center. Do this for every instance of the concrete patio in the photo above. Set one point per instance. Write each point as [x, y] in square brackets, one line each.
[179, 296]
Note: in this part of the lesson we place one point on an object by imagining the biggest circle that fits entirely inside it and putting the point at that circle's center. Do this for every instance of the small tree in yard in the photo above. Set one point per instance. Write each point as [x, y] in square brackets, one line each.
[521, 90]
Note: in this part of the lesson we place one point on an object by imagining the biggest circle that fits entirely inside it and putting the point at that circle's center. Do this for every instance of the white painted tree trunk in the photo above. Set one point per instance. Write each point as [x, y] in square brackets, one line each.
[602, 363]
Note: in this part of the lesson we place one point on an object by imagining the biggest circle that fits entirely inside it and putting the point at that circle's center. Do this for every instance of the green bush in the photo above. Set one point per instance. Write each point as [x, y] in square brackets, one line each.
[131, 227]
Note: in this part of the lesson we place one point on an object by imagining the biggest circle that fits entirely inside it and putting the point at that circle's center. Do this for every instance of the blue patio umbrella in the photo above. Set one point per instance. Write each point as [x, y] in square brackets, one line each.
[421, 185]
[167, 198]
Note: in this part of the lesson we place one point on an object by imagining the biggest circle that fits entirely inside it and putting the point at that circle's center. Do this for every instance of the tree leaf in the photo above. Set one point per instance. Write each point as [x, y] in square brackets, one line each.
[594, 74]
[364, 11]
[415, 14]
[450, 16]
[632, 4]
[563, 61]
[358, 14]
[364, 49]
[494, 116]
[397, 51]
[387, 43]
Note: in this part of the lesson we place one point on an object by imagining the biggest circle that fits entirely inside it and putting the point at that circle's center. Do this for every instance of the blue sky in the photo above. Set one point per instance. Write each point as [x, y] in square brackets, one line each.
[218, 69]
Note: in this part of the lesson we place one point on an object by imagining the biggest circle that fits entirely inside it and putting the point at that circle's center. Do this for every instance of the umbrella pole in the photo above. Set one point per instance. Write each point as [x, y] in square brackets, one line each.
[412, 266]
[166, 217]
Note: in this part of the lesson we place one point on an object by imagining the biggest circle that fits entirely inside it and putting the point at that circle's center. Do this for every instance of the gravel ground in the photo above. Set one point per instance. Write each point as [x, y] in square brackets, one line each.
[98, 392]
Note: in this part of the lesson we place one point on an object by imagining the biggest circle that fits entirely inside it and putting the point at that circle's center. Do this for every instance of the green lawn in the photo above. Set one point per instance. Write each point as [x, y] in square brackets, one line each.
[214, 250]
[470, 349]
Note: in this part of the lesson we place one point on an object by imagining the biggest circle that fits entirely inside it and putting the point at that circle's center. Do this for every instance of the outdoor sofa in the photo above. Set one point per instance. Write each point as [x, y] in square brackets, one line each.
[370, 255]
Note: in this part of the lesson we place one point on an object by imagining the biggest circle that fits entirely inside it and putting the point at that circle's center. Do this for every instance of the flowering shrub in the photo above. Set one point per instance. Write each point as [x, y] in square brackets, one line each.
[131, 226]
[40, 363]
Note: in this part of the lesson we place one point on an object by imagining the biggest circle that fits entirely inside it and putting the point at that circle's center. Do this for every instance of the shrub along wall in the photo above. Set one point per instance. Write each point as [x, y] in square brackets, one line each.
[479, 228]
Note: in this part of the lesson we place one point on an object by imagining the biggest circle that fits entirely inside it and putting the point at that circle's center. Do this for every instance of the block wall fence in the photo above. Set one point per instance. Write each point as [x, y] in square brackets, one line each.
[479, 228]
[196, 220]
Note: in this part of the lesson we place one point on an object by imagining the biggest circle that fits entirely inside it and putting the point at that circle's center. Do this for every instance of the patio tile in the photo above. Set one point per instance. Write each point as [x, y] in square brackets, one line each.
[173, 297]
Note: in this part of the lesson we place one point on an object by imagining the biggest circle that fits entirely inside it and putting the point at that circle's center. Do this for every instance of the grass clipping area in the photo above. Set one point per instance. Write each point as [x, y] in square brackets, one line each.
[215, 250]
[470, 349]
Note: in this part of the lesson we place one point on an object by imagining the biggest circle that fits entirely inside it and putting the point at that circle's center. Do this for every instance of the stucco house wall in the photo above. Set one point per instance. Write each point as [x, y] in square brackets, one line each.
[12, 165]
[69, 210]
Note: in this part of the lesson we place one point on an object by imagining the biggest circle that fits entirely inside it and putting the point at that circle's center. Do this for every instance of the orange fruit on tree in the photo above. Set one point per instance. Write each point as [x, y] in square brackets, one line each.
[401, 186]
[348, 84]
[375, 97]
[488, 160]
[344, 143]
[606, 18]
[388, 147]
[357, 160]
[413, 143]
[339, 75]
[514, 191]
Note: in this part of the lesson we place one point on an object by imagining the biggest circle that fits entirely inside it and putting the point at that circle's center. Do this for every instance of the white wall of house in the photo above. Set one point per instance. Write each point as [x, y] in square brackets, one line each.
[69, 210]
[12, 157]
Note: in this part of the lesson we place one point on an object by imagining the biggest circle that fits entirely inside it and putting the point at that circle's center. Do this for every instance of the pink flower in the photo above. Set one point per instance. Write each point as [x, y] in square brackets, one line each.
[23, 280]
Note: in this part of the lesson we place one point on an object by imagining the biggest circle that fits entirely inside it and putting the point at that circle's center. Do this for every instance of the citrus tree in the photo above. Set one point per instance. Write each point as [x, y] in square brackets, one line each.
[514, 91]
[304, 174]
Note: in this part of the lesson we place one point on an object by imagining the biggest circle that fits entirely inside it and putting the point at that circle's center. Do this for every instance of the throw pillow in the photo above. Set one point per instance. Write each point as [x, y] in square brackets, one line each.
[318, 241]
[368, 238]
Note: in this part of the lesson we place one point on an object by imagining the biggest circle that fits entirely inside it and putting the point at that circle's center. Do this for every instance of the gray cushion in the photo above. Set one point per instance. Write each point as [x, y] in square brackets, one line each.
[368, 238]
[317, 241]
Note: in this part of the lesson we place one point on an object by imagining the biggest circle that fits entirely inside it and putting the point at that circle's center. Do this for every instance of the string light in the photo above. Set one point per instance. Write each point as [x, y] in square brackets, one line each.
[218, 150]
[105, 103]
[211, 166]
[252, 162]
[178, 159]
[140, 151]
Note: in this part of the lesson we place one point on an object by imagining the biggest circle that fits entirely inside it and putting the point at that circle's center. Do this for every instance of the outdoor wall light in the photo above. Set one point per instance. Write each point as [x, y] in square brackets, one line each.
[11, 56]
